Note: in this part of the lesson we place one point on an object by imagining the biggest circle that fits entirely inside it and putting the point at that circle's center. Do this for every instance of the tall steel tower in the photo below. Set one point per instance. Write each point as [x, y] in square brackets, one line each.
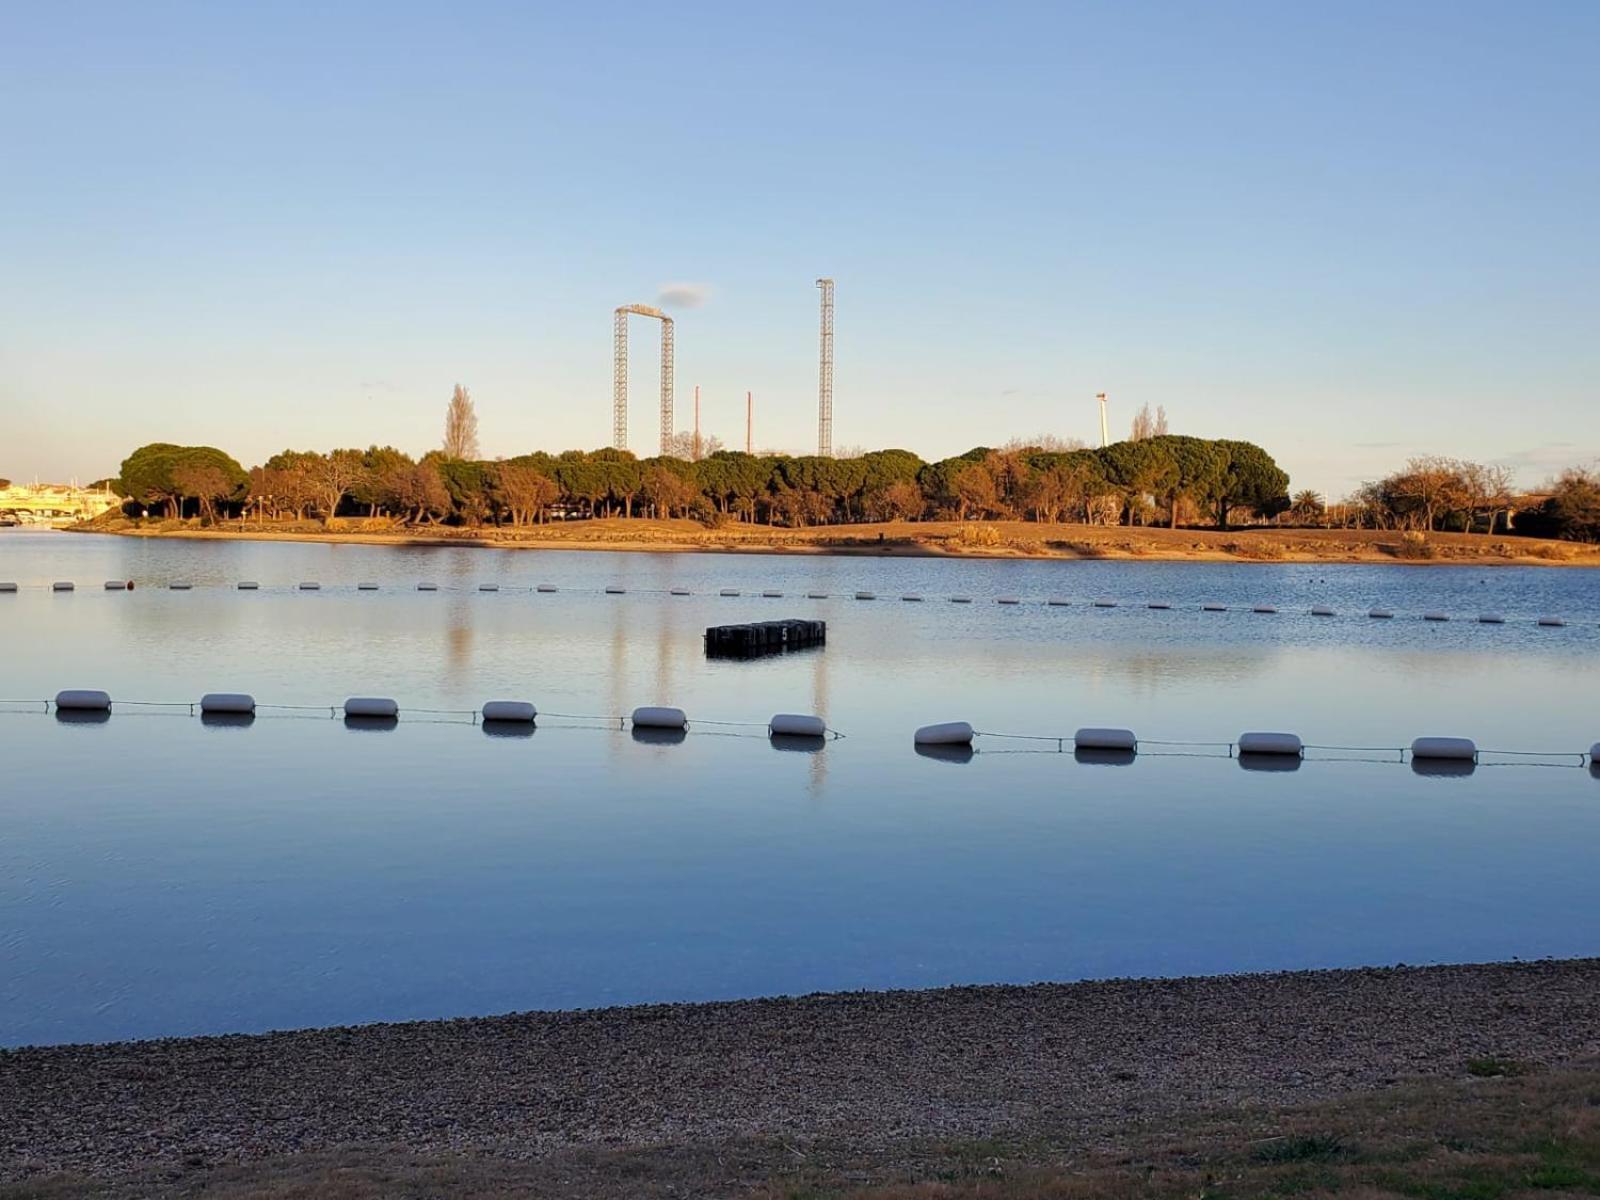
[825, 374]
[619, 374]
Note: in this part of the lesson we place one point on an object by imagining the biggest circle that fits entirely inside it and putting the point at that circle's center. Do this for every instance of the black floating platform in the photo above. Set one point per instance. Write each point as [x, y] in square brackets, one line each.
[764, 637]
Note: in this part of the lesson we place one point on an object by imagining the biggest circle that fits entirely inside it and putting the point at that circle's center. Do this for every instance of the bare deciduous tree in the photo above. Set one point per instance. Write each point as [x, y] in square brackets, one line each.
[1146, 426]
[683, 445]
[337, 473]
[1044, 443]
[461, 427]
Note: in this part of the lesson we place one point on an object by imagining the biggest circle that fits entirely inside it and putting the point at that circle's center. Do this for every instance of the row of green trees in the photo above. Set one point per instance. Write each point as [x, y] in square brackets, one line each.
[1161, 479]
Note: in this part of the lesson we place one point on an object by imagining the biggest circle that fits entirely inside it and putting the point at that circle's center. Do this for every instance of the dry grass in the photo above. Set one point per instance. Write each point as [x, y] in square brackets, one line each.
[1476, 1136]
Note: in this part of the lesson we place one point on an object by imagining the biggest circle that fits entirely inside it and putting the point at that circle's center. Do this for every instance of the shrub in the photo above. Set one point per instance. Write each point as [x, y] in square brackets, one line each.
[1414, 545]
[978, 535]
[1262, 551]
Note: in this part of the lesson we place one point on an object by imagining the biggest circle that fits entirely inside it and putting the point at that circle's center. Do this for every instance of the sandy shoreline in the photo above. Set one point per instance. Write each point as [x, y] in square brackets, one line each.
[876, 1068]
[928, 539]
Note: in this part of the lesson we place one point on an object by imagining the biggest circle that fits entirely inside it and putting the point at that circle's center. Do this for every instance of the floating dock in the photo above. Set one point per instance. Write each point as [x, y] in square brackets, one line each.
[764, 637]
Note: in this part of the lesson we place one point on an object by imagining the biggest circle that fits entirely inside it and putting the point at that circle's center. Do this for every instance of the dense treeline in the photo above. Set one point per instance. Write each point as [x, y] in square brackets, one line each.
[1164, 479]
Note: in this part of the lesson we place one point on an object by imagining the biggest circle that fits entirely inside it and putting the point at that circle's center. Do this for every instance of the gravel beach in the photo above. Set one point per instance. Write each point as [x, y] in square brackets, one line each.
[874, 1068]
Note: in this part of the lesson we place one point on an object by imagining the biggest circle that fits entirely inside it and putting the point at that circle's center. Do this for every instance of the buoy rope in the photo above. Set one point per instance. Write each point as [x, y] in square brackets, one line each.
[1536, 754]
[1361, 749]
[1206, 745]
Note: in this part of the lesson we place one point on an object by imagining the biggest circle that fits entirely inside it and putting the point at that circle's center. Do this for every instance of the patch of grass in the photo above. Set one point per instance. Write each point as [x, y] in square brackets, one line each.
[1452, 1139]
[1311, 1147]
[1496, 1068]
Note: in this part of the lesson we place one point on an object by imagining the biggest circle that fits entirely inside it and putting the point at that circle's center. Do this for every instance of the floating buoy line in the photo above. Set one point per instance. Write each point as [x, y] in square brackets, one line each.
[948, 740]
[84, 704]
[1322, 611]
[1268, 750]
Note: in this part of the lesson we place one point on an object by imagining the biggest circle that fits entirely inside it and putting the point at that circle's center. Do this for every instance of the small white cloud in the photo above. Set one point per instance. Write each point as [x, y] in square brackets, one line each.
[683, 295]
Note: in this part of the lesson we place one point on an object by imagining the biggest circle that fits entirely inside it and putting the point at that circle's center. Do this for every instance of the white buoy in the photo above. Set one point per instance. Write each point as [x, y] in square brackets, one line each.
[62, 585]
[1456, 748]
[1058, 602]
[728, 592]
[1008, 600]
[912, 598]
[366, 587]
[949, 733]
[179, 587]
[249, 585]
[960, 599]
[227, 702]
[1105, 739]
[1491, 619]
[659, 717]
[772, 595]
[83, 700]
[1380, 614]
[427, 587]
[1552, 622]
[488, 587]
[1213, 608]
[1270, 743]
[866, 596]
[797, 725]
[371, 706]
[1322, 610]
[1105, 603]
[680, 592]
[546, 587]
[116, 585]
[1158, 604]
[509, 710]
[614, 590]
[7, 586]
[1436, 616]
[310, 585]
[1264, 608]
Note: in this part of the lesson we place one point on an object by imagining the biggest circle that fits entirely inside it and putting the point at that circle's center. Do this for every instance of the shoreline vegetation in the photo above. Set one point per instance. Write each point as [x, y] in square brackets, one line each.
[1439, 1082]
[927, 539]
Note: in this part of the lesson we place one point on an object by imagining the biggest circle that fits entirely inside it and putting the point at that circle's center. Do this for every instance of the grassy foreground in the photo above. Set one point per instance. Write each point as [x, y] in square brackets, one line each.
[1494, 1128]
[971, 539]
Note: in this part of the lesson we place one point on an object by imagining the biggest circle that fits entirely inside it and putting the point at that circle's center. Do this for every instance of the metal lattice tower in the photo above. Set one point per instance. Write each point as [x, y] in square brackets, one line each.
[825, 374]
[619, 374]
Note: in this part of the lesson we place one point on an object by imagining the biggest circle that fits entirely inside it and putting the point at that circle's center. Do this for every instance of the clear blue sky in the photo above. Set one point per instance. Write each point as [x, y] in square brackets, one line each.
[1349, 231]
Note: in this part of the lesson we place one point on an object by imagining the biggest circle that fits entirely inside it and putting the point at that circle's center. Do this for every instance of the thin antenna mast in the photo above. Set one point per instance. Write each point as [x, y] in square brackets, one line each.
[749, 424]
[825, 374]
[694, 450]
[1105, 437]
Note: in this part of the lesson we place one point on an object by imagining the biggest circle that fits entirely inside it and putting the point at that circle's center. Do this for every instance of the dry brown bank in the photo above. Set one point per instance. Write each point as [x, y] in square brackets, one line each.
[998, 539]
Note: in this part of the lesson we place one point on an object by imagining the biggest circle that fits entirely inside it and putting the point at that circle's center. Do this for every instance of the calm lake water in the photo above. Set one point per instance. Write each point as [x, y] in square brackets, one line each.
[159, 875]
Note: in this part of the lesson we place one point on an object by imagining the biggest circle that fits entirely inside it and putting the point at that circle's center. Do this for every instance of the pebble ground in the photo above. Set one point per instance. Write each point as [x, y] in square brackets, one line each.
[870, 1068]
